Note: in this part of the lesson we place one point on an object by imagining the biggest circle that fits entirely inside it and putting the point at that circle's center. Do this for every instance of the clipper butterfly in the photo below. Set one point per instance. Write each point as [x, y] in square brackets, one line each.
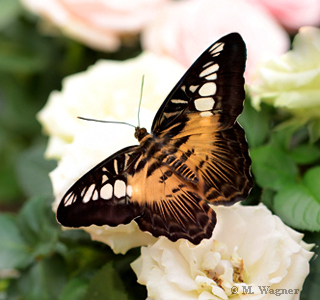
[195, 154]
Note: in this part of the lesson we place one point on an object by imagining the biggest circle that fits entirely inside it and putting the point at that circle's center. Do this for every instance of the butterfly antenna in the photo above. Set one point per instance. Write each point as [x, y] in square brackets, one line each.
[141, 92]
[102, 121]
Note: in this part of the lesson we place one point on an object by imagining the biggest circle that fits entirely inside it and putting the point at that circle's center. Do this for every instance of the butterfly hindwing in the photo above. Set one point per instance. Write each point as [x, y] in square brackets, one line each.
[196, 153]
[170, 205]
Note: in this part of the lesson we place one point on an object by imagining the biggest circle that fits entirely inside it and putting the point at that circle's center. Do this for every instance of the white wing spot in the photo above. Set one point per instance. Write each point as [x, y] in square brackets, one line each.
[106, 191]
[178, 101]
[105, 178]
[216, 48]
[206, 114]
[212, 76]
[193, 88]
[183, 87]
[95, 195]
[119, 188]
[88, 195]
[70, 199]
[203, 104]
[209, 70]
[208, 89]
[129, 190]
[104, 169]
[207, 64]
[115, 165]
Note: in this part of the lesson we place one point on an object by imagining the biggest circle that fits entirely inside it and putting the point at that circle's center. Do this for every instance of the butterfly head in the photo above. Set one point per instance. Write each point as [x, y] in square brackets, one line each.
[140, 133]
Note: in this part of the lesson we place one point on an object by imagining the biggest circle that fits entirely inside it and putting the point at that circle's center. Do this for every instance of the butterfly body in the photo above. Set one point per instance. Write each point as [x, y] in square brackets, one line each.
[195, 154]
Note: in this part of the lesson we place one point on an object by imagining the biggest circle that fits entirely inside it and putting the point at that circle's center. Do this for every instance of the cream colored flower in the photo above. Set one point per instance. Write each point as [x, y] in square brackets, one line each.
[292, 81]
[100, 24]
[251, 255]
[109, 90]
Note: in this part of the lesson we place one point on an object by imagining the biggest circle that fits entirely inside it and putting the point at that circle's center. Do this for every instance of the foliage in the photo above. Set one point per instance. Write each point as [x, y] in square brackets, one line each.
[42, 262]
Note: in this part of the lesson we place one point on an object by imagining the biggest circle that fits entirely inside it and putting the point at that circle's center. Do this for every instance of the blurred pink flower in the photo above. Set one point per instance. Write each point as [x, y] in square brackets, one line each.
[293, 14]
[100, 24]
[185, 28]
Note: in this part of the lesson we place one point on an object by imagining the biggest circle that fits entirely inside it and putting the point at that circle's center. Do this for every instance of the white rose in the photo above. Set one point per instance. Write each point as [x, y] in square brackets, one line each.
[292, 81]
[108, 90]
[251, 255]
[100, 24]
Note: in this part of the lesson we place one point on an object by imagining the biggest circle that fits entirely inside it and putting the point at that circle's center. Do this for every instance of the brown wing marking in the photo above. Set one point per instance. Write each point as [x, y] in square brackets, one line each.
[218, 158]
[171, 207]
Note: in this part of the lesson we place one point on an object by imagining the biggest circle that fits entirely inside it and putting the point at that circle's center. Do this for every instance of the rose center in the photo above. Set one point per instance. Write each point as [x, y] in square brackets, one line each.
[221, 269]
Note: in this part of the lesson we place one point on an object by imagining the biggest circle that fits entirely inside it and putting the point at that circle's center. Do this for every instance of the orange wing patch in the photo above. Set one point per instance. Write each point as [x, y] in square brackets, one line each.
[171, 206]
[218, 158]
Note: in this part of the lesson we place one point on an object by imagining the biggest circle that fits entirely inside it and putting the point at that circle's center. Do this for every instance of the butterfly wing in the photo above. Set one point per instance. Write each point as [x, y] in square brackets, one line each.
[214, 83]
[120, 189]
[198, 120]
[170, 205]
[102, 196]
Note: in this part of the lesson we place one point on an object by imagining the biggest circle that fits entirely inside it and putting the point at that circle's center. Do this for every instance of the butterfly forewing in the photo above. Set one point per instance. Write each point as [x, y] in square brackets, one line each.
[196, 153]
[102, 196]
[214, 83]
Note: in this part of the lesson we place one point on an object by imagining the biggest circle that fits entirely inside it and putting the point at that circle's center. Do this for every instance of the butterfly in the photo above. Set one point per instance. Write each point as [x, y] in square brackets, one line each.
[196, 154]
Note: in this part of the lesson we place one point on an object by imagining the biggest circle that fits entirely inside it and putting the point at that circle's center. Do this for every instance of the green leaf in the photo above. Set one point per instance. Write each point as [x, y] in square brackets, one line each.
[106, 284]
[311, 286]
[9, 187]
[267, 197]
[9, 11]
[305, 154]
[44, 280]
[13, 59]
[282, 136]
[298, 204]
[33, 171]
[297, 208]
[38, 226]
[9, 147]
[272, 167]
[314, 130]
[14, 253]
[18, 56]
[311, 180]
[255, 124]
[75, 289]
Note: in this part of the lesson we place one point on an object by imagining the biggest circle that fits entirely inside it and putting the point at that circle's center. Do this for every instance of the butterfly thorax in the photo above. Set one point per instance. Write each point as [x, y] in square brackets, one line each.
[140, 133]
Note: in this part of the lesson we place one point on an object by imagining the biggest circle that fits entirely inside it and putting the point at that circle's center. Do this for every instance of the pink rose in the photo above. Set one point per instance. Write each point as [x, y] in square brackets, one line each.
[100, 24]
[185, 28]
[293, 14]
